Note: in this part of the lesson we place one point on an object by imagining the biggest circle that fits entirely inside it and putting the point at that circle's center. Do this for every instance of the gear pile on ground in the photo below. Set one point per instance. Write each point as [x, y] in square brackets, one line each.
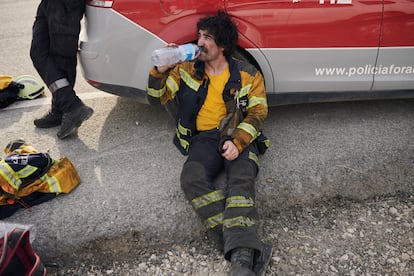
[334, 238]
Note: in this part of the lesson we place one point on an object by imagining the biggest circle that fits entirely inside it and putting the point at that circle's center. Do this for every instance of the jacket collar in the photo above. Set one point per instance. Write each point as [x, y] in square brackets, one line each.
[234, 80]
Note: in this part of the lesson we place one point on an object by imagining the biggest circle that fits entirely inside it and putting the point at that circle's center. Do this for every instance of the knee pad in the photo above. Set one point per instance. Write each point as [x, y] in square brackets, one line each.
[191, 173]
[243, 168]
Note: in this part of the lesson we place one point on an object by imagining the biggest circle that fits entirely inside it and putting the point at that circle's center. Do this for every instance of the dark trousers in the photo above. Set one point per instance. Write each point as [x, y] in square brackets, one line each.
[54, 48]
[229, 214]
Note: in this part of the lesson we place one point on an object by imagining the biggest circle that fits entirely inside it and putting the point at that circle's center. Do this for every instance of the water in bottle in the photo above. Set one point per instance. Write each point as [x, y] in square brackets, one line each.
[173, 55]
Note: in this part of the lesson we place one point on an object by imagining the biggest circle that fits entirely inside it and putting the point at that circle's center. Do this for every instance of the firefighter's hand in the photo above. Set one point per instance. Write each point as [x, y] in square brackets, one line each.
[163, 69]
[230, 151]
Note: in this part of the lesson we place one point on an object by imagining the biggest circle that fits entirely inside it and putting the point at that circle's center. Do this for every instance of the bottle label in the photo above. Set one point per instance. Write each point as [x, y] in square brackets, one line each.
[189, 51]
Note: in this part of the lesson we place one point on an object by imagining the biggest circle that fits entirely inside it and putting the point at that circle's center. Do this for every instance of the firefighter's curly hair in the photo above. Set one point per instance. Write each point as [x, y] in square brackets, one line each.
[224, 30]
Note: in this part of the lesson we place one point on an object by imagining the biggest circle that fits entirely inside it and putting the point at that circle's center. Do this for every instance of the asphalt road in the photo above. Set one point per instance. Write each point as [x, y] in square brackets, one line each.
[130, 169]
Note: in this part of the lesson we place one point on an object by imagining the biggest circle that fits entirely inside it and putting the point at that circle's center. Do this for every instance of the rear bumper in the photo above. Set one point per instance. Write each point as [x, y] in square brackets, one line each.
[115, 53]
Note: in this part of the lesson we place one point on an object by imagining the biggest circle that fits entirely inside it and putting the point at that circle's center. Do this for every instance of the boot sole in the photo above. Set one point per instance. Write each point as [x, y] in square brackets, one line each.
[48, 125]
[260, 269]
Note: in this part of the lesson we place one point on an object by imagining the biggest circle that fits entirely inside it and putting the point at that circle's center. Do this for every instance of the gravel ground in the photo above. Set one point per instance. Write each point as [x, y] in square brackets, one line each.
[340, 237]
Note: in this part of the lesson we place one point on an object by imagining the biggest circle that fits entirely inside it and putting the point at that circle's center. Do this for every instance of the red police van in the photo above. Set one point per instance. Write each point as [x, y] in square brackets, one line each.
[307, 50]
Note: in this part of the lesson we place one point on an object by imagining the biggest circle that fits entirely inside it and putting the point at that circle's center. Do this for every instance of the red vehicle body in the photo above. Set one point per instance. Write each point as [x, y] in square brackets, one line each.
[307, 50]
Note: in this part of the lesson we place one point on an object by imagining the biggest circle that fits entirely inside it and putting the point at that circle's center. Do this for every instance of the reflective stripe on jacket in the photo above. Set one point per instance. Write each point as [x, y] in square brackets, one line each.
[187, 85]
[61, 177]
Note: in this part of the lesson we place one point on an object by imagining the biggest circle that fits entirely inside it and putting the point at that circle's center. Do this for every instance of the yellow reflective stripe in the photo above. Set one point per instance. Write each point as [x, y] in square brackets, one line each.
[25, 149]
[172, 85]
[257, 135]
[184, 143]
[186, 77]
[239, 201]
[53, 182]
[156, 93]
[240, 221]
[213, 221]
[26, 171]
[207, 199]
[243, 91]
[254, 157]
[183, 130]
[266, 142]
[248, 128]
[10, 175]
[253, 101]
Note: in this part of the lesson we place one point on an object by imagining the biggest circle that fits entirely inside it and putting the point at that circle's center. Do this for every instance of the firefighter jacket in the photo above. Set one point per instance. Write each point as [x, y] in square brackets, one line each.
[187, 85]
[24, 171]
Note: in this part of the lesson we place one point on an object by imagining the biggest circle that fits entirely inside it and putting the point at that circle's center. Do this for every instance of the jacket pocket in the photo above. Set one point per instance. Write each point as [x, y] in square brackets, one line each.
[64, 39]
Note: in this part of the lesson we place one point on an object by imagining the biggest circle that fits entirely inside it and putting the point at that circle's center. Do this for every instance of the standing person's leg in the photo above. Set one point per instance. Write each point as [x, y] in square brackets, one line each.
[204, 163]
[64, 17]
[45, 64]
[64, 47]
[59, 62]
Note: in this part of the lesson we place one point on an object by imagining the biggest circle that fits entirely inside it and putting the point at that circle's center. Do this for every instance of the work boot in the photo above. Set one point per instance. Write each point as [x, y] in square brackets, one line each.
[73, 119]
[48, 120]
[242, 262]
[262, 260]
[216, 235]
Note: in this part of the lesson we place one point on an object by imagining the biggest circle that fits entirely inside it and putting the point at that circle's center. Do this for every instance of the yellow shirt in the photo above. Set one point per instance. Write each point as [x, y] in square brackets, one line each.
[213, 109]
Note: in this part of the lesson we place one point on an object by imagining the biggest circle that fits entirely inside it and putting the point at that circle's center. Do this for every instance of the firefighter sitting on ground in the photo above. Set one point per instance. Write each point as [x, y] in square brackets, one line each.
[222, 107]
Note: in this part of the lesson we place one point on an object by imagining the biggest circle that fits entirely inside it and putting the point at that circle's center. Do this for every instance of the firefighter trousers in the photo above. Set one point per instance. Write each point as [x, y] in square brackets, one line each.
[54, 47]
[229, 214]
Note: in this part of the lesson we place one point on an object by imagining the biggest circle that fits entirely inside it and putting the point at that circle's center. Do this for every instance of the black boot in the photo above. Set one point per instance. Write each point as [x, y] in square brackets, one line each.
[262, 260]
[242, 262]
[50, 119]
[73, 119]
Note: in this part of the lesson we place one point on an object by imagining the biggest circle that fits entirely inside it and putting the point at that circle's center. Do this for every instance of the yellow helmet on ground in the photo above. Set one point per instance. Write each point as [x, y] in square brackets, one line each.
[32, 87]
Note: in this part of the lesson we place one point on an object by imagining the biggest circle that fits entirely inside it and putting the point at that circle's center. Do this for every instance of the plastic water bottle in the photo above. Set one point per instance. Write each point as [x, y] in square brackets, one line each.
[9, 226]
[173, 55]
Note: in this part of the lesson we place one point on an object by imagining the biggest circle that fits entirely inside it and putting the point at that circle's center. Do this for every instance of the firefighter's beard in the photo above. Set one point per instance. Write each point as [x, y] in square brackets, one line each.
[203, 55]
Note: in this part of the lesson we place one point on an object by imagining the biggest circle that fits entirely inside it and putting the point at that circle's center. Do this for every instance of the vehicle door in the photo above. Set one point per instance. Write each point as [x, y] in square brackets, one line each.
[313, 45]
[395, 65]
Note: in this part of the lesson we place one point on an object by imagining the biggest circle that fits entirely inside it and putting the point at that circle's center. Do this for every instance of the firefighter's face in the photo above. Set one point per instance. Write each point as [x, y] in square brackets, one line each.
[211, 50]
